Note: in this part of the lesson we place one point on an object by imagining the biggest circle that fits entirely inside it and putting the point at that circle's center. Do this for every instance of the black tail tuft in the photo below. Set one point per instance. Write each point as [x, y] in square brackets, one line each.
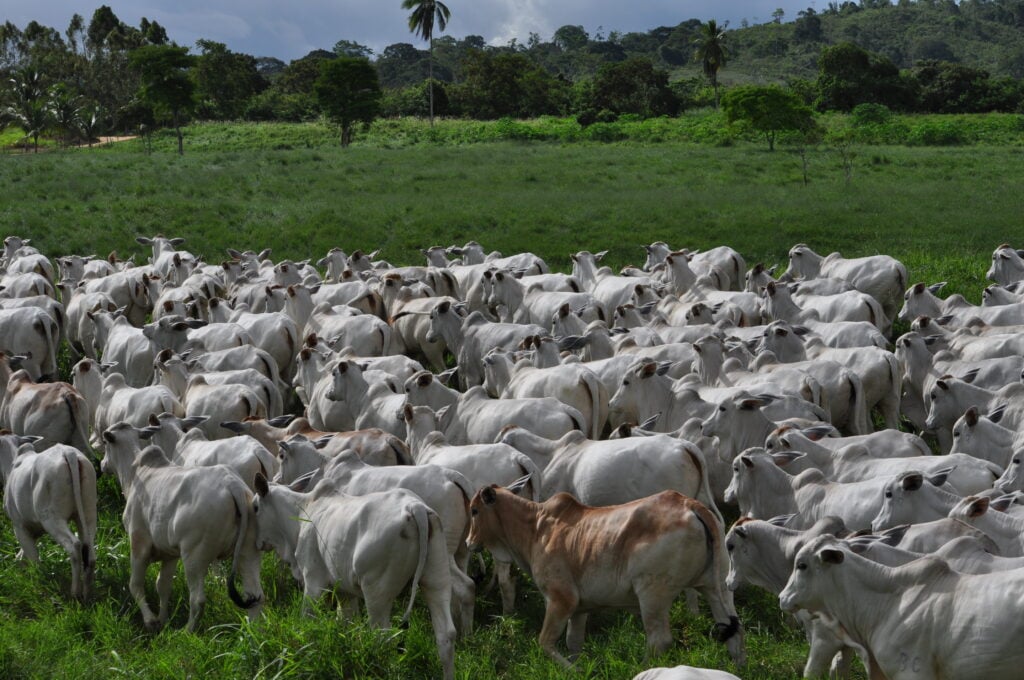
[724, 631]
[236, 597]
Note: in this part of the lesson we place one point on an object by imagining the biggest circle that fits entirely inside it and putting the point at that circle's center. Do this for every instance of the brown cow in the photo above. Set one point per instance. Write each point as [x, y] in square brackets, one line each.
[640, 554]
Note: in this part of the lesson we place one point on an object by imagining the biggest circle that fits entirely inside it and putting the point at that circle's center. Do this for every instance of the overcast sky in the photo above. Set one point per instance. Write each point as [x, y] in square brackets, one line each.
[288, 29]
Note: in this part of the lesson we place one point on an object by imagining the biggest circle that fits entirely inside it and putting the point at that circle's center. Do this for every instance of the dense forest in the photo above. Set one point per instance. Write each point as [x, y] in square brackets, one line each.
[934, 56]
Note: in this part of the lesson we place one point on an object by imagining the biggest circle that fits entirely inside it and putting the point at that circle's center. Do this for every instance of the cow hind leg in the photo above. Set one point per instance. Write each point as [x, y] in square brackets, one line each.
[439, 600]
[164, 582]
[62, 534]
[462, 599]
[27, 541]
[654, 612]
[195, 576]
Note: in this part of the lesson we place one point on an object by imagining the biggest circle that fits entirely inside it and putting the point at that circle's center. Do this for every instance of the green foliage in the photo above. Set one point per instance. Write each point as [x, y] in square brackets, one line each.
[633, 86]
[711, 50]
[225, 81]
[415, 100]
[849, 75]
[506, 85]
[166, 86]
[870, 114]
[348, 93]
[767, 110]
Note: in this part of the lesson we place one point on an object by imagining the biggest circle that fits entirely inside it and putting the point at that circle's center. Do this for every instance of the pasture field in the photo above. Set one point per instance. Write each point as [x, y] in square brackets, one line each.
[940, 210]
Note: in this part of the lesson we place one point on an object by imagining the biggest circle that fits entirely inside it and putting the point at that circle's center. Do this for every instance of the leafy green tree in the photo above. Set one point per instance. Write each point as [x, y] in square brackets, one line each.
[425, 15]
[634, 86]
[767, 110]
[849, 75]
[225, 80]
[712, 51]
[506, 84]
[91, 123]
[570, 38]
[348, 92]
[350, 48]
[402, 65]
[166, 85]
[298, 77]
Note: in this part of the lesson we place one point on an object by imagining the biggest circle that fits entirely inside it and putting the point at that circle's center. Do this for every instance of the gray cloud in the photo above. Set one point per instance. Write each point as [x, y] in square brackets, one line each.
[288, 30]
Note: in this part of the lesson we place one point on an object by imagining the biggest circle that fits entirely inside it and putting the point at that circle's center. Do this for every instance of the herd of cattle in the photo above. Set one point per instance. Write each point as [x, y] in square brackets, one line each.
[592, 427]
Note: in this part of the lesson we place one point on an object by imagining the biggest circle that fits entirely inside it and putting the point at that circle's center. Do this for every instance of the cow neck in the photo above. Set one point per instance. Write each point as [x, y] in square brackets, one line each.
[861, 592]
[774, 552]
[5, 380]
[937, 500]
[421, 438]
[782, 307]
[125, 470]
[966, 393]
[521, 521]
[999, 525]
[774, 488]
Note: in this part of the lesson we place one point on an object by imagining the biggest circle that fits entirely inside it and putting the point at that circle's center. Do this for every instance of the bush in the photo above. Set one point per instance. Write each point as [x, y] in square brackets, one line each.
[936, 133]
[866, 114]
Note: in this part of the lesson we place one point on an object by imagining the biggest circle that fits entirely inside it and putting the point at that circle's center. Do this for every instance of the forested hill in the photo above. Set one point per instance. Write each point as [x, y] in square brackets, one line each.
[986, 34]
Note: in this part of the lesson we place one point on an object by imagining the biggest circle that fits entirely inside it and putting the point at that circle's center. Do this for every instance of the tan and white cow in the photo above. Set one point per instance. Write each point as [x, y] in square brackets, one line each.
[640, 554]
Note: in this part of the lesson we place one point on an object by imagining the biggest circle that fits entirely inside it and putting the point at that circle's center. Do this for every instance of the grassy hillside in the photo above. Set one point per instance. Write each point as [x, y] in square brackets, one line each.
[941, 210]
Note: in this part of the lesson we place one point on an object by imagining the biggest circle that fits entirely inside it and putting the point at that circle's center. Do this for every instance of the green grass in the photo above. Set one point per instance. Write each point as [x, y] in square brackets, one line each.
[940, 210]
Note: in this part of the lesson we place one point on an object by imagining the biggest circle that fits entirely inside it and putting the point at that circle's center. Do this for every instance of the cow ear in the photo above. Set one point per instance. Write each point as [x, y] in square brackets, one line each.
[488, 495]
[942, 384]
[831, 556]
[781, 520]
[996, 414]
[747, 461]
[971, 416]
[648, 369]
[518, 485]
[740, 531]
[1003, 503]
[912, 481]
[153, 420]
[749, 404]
[816, 433]
[445, 377]
[444, 307]
[894, 535]
[425, 379]
[978, 507]
[969, 376]
[939, 478]
[936, 287]
[109, 436]
[786, 457]
[261, 485]
[407, 413]
[600, 256]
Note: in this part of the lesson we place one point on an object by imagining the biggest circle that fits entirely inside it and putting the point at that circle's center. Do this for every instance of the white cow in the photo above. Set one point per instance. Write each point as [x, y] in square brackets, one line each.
[1007, 265]
[367, 547]
[31, 333]
[42, 493]
[198, 515]
[917, 621]
[907, 499]
[880, 276]
[55, 412]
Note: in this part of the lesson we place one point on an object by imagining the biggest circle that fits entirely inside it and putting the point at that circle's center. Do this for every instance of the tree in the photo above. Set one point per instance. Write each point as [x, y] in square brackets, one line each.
[29, 107]
[348, 92]
[65, 111]
[225, 81]
[506, 84]
[712, 51]
[166, 85]
[634, 86]
[849, 75]
[768, 110]
[570, 38]
[425, 14]
[350, 48]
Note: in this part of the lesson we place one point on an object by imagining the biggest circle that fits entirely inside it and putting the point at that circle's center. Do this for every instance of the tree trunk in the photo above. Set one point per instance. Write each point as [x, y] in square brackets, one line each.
[177, 130]
[346, 135]
[430, 82]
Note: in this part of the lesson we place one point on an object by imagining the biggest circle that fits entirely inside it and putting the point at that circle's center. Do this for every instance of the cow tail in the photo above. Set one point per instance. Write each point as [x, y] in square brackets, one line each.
[704, 493]
[419, 514]
[51, 346]
[590, 382]
[528, 467]
[858, 411]
[242, 508]
[71, 460]
[718, 561]
[79, 436]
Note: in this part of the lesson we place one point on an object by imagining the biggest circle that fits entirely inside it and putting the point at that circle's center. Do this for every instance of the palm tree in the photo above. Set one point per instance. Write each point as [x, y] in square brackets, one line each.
[425, 14]
[28, 107]
[711, 51]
